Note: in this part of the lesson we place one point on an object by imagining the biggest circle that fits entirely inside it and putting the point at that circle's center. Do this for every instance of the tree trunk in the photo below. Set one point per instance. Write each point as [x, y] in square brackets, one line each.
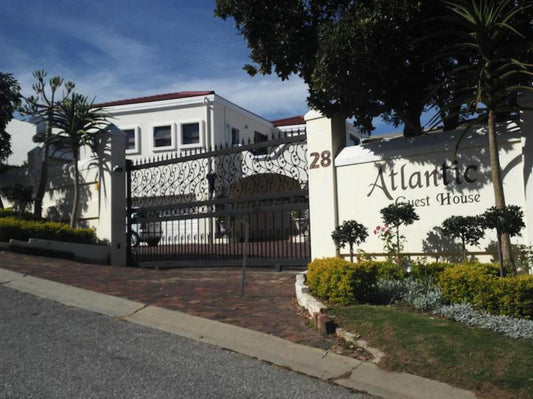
[43, 177]
[75, 200]
[497, 183]
[411, 119]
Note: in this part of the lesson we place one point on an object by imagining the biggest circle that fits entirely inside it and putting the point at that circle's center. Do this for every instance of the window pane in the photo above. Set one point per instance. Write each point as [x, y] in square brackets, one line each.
[190, 133]
[162, 136]
[260, 138]
[235, 136]
[130, 139]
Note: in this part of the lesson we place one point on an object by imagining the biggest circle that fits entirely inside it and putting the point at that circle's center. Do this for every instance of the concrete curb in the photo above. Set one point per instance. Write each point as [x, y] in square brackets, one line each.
[314, 362]
[304, 297]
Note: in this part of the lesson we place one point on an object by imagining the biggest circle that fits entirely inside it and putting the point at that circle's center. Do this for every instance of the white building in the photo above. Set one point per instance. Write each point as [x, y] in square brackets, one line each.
[169, 124]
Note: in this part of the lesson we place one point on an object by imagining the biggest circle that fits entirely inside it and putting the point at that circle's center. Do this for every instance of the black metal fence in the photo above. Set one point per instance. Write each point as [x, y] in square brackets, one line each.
[191, 209]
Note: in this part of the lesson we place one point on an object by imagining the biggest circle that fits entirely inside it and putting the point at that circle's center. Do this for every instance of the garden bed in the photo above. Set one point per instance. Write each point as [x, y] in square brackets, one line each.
[490, 364]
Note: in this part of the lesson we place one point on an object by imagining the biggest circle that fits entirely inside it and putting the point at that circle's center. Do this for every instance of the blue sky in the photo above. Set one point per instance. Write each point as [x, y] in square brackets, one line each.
[120, 49]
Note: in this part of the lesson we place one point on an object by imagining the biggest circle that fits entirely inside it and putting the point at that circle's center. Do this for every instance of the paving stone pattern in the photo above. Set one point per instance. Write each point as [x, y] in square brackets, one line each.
[269, 304]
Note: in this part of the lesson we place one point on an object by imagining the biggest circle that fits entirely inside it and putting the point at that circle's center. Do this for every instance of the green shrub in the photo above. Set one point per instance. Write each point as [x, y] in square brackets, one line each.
[428, 272]
[12, 228]
[516, 298]
[5, 213]
[340, 281]
[479, 285]
[390, 271]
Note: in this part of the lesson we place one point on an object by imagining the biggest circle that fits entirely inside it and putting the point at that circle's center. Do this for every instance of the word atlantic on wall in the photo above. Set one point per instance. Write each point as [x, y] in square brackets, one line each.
[445, 175]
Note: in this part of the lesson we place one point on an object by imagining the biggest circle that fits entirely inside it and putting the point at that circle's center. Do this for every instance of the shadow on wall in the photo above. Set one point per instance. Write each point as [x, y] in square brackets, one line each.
[60, 194]
[437, 242]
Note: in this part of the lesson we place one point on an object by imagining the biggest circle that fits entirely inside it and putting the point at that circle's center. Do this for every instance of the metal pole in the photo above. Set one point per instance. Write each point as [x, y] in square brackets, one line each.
[129, 164]
[244, 254]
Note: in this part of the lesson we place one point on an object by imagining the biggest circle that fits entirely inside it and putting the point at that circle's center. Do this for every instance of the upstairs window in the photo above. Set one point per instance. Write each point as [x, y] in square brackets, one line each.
[132, 140]
[163, 137]
[190, 134]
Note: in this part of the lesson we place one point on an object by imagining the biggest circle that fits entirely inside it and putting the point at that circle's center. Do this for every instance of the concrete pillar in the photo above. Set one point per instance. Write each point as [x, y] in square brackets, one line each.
[112, 212]
[325, 138]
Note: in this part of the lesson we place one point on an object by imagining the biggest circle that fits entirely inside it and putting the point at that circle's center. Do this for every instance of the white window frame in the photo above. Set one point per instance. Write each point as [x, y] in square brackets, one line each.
[172, 145]
[201, 134]
[137, 139]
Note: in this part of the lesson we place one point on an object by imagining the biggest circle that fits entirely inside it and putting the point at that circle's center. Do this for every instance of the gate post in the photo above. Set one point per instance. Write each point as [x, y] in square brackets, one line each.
[112, 209]
[325, 138]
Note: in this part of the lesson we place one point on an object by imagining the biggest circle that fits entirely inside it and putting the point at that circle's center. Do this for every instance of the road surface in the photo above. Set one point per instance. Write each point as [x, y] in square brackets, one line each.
[48, 350]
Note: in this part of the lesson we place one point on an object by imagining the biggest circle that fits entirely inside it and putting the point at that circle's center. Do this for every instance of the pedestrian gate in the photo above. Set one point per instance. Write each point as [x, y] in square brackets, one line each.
[193, 209]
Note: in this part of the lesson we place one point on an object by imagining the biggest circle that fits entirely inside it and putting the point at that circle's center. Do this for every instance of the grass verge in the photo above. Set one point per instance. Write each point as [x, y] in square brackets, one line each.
[487, 363]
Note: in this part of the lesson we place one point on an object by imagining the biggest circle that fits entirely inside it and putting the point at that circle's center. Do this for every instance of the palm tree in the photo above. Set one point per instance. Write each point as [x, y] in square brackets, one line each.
[78, 122]
[40, 108]
[494, 38]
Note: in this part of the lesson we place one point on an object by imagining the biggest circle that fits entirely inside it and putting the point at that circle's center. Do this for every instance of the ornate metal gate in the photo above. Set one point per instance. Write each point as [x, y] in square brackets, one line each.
[192, 210]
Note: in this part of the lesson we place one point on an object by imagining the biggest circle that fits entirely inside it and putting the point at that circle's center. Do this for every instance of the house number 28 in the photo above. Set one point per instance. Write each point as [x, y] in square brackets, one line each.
[320, 159]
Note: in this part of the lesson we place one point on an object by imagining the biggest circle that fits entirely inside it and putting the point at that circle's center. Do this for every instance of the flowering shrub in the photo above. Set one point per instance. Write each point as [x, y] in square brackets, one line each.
[392, 244]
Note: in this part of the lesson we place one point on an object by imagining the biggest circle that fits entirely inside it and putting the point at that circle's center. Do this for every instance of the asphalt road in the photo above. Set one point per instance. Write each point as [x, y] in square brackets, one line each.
[48, 350]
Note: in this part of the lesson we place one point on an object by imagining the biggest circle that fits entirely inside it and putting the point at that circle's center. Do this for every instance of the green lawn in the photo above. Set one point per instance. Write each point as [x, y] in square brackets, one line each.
[487, 363]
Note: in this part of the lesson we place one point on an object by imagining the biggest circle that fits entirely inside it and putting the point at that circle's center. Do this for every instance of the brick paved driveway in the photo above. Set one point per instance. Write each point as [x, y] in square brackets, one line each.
[269, 304]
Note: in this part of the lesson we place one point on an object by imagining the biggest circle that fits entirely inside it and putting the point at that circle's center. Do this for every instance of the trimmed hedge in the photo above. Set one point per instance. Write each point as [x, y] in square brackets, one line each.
[428, 272]
[6, 213]
[390, 271]
[479, 285]
[12, 228]
[340, 281]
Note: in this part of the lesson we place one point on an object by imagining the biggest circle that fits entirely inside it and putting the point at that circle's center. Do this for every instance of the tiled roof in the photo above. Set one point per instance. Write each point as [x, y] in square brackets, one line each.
[293, 120]
[158, 97]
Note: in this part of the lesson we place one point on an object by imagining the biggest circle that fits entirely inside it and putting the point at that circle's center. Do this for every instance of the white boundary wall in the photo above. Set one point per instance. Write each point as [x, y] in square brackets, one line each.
[102, 191]
[364, 179]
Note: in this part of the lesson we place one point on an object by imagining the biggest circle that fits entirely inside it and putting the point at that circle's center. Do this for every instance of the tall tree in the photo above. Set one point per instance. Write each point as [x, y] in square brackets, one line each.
[359, 58]
[40, 108]
[78, 122]
[9, 99]
[491, 41]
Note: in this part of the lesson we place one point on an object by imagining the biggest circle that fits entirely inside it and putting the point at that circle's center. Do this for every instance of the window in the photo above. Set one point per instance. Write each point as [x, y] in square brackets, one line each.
[260, 138]
[163, 137]
[235, 136]
[133, 145]
[190, 134]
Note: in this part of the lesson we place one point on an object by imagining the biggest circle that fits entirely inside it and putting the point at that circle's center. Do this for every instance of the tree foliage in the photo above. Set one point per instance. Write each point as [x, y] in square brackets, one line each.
[508, 220]
[359, 58]
[396, 215]
[469, 229]
[78, 122]
[493, 39]
[41, 108]
[9, 99]
[350, 232]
